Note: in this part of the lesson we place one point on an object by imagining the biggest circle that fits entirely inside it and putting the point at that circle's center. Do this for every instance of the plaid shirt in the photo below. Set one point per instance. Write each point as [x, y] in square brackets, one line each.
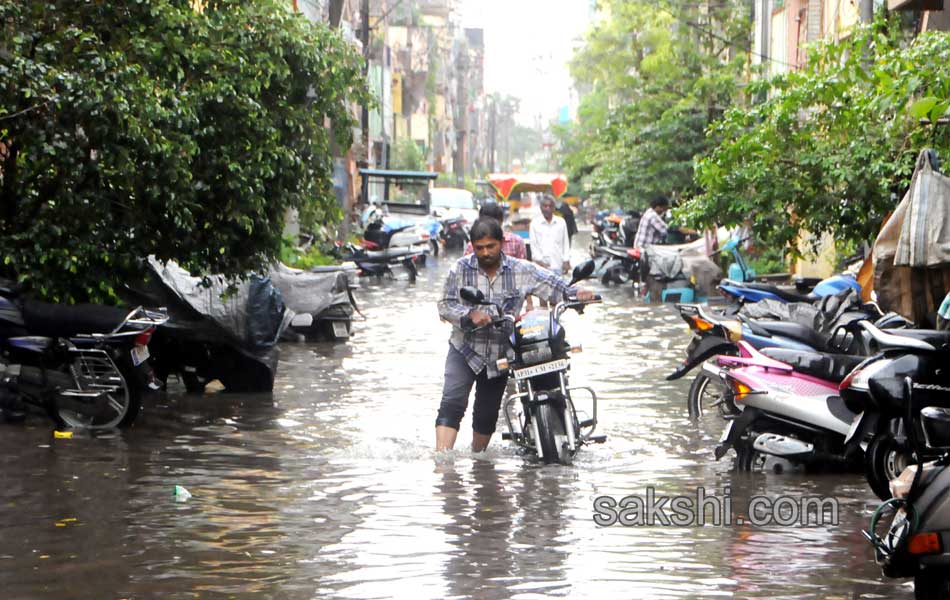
[651, 230]
[512, 245]
[514, 279]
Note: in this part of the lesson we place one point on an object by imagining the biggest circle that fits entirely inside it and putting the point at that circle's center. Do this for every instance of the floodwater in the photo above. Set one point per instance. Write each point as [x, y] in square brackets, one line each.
[329, 487]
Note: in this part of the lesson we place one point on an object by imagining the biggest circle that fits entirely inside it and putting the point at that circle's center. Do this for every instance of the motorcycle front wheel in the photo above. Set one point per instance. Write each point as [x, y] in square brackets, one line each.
[553, 435]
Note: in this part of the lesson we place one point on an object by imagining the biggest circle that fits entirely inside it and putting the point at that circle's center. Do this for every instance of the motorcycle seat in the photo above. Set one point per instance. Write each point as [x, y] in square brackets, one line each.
[785, 295]
[795, 331]
[935, 337]
[830, 367]
[61, 320]
[387, 254]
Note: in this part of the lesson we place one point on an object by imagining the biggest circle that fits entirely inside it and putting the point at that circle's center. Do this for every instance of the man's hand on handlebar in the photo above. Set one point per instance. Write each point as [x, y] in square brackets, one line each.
[585, 295]
[479, 318]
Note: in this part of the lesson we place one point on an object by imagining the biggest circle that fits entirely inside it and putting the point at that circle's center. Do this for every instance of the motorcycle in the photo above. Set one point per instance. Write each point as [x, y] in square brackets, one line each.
[210, 335]
[453, 233]
[390, 263]
[86, 366]
[748, 291]
[917, 542]
[877, 393]
[619, 266]
[546, 421]
[713, 336]
[786, 405]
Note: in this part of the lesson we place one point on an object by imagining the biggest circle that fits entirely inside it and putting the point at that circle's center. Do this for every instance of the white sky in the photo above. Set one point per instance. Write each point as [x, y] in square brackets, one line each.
[527, 46]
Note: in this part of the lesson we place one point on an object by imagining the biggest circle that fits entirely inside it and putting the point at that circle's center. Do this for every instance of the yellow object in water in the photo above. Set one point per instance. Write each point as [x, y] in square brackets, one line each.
[63, 435]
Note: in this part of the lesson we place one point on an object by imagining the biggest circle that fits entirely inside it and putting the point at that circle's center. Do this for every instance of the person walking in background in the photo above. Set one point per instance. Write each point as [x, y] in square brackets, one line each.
[563, 210]
[550, 244]
[512, 245]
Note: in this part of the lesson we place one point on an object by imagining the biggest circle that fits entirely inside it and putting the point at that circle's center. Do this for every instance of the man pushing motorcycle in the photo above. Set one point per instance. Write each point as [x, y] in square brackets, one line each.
[475, 346]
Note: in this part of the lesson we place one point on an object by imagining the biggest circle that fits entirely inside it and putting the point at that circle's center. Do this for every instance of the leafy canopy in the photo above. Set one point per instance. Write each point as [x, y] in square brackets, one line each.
[832, 144]
[137, 128]
[652, 76]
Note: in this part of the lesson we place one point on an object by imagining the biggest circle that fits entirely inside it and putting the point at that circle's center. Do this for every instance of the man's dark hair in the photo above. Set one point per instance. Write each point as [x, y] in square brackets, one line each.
[485, 227]
[659, 201]
[492, 210]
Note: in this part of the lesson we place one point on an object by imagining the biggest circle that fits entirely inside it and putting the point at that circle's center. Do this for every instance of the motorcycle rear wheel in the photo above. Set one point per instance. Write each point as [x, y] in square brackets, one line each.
[707, 397]
[553, 435]
[884, 460]
[123, 405]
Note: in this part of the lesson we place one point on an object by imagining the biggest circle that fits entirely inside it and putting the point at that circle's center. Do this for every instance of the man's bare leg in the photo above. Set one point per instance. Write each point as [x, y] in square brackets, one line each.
[480, 441]
[445, 437]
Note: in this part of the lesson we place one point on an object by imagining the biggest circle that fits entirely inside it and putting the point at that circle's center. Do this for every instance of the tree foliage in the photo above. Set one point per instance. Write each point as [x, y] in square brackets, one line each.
[832, 143]
[653, 75]
[137, 128]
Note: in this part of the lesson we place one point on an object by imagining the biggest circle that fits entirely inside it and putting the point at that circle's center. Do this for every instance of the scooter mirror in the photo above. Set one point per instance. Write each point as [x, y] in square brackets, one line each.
[472, 295]
[582, 271]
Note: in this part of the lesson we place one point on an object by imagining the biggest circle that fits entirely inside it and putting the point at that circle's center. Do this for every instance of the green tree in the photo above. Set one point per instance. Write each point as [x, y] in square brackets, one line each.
[137, 128]
[652, 75]
[407, 156]
[831, 144]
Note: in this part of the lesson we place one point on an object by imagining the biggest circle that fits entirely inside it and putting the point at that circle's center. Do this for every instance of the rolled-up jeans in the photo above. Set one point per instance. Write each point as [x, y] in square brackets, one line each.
[459, 379]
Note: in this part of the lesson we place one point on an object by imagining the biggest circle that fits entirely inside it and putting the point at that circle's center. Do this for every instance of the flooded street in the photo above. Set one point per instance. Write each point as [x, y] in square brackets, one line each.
[329, 488]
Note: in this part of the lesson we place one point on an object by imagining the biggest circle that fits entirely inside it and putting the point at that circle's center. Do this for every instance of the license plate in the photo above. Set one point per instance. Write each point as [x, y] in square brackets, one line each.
[139, 354]
[726, 431]
[549, 367]
[339, 329]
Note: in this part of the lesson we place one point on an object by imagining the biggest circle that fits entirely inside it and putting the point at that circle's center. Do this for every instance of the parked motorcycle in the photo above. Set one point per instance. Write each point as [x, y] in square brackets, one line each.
[453, 233]
[391, 263]
[748, 291]
[86, 366]
[545, 420]
[715, 335]
[619, 266]
[876, 391]
[787, 406]
[322, 300]
[917, 543]
[231, 337]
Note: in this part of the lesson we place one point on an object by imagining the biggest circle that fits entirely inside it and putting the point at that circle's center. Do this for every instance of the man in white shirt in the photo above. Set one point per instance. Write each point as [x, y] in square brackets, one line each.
[550, 245]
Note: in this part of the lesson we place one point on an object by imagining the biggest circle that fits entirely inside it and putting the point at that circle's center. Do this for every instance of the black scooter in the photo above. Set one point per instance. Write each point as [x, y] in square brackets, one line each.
[917, 542]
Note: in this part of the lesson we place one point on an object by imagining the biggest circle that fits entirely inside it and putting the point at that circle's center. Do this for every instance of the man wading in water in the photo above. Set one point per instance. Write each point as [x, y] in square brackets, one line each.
[472, 354]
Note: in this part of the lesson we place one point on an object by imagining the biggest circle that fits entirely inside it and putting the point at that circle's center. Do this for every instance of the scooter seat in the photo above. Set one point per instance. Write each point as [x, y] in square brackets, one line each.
[61, 320]
[796, 331]
[386, 255]
[935, 337]
[785, 295]
[830, 367]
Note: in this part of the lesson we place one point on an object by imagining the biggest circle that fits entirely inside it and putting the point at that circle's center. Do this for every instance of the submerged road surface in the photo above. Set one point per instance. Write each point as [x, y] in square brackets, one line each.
[329, 487]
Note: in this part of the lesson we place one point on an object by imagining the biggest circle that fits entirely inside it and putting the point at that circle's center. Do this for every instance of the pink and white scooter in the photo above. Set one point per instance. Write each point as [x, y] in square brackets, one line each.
[786, 404]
